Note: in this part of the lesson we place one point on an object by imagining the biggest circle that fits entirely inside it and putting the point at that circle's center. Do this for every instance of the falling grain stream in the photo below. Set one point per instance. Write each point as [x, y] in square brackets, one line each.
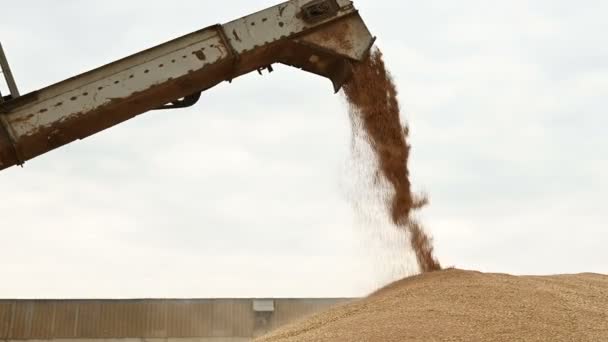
[451, 304]
[372, 98]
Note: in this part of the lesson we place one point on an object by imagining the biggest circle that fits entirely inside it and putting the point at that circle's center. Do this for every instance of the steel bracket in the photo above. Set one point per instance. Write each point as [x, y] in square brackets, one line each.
[187, 101]
[319, 10]
[8, 77]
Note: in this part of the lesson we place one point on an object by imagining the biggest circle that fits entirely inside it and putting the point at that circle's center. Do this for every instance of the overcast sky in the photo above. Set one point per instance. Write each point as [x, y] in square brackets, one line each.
[253, 191]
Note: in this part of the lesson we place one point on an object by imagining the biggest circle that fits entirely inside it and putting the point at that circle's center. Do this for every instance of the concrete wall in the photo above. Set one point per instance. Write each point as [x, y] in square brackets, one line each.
[151, 320]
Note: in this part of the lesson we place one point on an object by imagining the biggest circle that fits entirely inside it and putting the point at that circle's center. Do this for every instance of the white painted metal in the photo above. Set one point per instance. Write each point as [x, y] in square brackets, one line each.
[119, 82]
[275, 23]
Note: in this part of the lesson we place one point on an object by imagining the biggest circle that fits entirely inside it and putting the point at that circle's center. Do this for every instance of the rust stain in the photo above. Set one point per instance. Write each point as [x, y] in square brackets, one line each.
[236, 36]
[22, 119]
[200, 55]
[282, 10]
[83, 124]
[8, 154]
[338, 33]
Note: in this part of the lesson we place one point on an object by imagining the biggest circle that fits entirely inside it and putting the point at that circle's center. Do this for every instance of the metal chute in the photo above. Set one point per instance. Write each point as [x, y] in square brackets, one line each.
[321, 36]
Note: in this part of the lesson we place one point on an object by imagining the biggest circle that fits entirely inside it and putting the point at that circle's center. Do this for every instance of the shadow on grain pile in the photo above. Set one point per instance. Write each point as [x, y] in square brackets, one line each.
[456, 305]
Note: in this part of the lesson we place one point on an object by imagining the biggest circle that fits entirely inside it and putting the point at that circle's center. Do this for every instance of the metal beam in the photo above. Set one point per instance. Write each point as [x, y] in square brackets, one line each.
[8, 75]
[326, 41]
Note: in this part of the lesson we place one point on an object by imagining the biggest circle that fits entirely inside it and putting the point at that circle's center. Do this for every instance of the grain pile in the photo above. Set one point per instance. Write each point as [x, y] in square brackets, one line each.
[372, 98]
[448, 305]
[455, 305]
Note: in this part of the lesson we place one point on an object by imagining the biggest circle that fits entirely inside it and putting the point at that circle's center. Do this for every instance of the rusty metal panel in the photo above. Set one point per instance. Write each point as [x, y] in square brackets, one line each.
[66, 313]
[243, 314]
[232, 317]
[109, 315]
[133, 319]
[22, 320]
[155, 324]
[221, 318]
[222, 321]
[191, 318]
[43, 320]
[6, 315]
[88, 319]
[288, 310]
